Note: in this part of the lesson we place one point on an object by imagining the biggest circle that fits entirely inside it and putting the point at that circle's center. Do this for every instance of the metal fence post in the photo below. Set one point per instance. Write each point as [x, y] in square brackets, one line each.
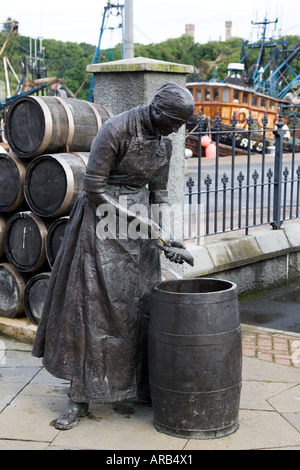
[279, 133]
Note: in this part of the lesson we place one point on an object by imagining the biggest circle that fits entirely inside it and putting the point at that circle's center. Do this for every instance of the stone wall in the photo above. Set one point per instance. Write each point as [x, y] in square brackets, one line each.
[262, 260]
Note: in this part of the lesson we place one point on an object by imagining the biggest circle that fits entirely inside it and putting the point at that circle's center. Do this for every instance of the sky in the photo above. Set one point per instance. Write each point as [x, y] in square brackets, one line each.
[154, 21]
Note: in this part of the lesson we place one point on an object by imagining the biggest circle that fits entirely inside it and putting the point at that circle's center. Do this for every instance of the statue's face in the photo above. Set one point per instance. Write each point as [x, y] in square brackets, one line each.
[165, 124]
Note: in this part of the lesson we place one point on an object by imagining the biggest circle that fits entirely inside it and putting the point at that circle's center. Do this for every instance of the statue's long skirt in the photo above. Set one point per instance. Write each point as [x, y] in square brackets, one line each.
[93, 330]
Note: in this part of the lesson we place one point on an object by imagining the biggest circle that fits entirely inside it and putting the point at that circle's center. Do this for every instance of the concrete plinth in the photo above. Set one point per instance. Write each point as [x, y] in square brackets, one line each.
[124, 84]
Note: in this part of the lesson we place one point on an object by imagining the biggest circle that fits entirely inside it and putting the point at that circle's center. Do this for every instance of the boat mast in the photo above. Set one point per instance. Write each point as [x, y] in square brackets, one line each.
[277, 84]
[262, 44]
[104, 25]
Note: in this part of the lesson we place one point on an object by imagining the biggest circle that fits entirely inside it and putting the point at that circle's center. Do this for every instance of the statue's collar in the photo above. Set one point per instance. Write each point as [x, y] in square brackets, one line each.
[148, 129]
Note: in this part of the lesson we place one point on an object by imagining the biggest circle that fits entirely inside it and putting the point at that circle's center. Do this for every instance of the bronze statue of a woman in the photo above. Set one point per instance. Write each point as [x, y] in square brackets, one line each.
[93, 331]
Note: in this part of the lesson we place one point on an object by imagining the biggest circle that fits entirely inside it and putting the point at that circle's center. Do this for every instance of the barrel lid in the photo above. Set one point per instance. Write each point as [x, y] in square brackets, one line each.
[24, 241]
[25, 126]
[46, 184]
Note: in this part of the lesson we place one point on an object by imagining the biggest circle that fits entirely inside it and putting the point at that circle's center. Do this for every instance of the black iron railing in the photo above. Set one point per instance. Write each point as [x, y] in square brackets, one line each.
[253, 179]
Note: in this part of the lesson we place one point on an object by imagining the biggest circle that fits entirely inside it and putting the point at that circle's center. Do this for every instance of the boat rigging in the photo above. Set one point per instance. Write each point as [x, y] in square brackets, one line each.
[273, 75]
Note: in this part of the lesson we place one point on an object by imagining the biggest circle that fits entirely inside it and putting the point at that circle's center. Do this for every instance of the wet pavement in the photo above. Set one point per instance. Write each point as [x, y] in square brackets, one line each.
[277, 308]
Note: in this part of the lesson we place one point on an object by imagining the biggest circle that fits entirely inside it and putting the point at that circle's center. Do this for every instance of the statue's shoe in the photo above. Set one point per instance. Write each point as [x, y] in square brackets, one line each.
[68, 418]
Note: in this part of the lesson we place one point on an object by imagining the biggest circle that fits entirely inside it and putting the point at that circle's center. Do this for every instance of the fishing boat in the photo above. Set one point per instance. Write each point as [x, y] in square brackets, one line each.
[226, 100]
[258, 90]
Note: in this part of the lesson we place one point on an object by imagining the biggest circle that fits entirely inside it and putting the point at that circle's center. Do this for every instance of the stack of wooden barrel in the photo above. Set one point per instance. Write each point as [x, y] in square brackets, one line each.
[40, 180]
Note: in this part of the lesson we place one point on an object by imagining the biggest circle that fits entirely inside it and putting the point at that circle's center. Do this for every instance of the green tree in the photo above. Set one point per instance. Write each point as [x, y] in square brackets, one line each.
[78, 80]
[68, 60]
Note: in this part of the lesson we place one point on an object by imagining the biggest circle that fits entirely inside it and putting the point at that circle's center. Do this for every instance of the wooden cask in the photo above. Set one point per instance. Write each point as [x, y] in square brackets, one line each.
[12, 286]
[53, 183]
[25, 241]
[34, 296]
[12, 176]
[54, 238]
[49, 124]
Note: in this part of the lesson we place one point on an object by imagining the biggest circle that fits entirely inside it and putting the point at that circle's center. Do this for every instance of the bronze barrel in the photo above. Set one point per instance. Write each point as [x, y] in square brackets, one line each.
[54, 181]
[195, 357]
[49, 124]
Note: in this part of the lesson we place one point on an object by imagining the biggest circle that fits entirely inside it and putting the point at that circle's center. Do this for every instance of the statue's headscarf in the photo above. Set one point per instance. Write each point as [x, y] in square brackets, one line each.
[174, 101]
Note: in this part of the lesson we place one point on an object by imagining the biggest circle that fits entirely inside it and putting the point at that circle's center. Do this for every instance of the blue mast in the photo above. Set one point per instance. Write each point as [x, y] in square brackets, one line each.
[105, 19]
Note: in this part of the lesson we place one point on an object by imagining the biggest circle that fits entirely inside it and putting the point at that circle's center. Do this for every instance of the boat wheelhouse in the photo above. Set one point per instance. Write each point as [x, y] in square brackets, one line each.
[213, 99]
[226, 98]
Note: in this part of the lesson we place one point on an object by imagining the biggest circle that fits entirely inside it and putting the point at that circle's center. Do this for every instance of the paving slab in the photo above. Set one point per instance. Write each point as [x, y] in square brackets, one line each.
[286, 401]
[123, 426]
[12, 444]
[293, 419]
[255, 395]
[258, 370]
[44, 383]
[29, 418]
[13, 381]
[257, 430]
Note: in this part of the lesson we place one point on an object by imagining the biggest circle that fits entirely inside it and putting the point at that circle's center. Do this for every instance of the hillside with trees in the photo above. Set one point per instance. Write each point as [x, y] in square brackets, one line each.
[68, 60]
